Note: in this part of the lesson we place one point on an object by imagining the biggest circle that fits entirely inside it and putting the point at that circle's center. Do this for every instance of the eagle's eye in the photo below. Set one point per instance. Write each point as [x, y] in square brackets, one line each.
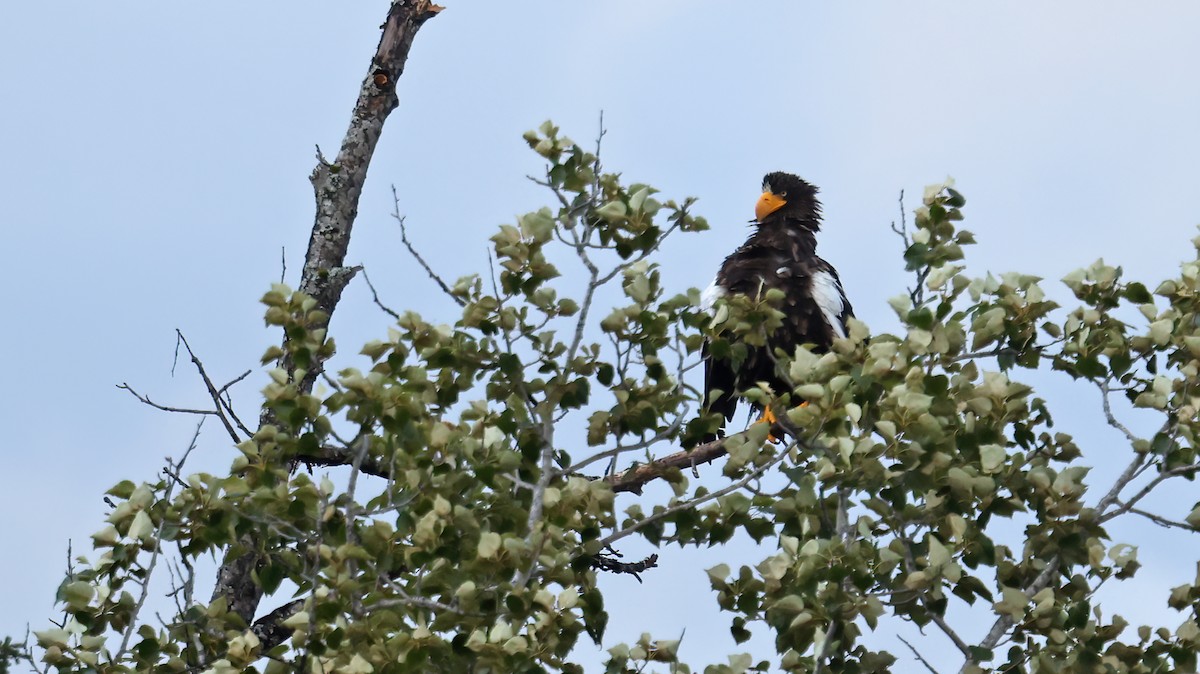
[783, 195]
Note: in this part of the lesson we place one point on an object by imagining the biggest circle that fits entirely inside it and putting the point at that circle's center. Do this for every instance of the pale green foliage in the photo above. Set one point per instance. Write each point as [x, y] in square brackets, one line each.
[477, 553]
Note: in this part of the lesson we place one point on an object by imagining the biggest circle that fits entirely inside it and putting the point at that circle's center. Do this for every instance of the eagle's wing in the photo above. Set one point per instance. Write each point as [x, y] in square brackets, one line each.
[719, 374]
[826, 292]
[719, 377]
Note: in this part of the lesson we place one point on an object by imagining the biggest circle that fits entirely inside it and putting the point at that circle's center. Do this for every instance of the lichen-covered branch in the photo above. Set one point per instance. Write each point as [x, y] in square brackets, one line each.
[337, 186]
[633, 479]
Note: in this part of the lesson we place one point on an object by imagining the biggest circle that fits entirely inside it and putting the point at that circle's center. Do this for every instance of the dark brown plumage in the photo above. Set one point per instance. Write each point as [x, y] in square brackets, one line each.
[780, 253]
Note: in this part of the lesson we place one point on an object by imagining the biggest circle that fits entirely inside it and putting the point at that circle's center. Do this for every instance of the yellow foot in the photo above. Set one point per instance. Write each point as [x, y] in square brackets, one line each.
[768, 417]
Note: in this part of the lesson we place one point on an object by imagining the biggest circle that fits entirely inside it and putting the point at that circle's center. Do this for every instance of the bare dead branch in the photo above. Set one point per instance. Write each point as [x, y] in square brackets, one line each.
[611, 563]
[165, 408]
[375, 297]
[416, 255]
[338, 184]
[916, 294]
[227, 402]
[240, 377]
[916, 653]
[223, 405]
[212, 389]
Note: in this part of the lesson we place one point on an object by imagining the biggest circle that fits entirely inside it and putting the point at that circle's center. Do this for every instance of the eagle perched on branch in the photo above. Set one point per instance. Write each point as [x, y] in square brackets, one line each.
[780, 254]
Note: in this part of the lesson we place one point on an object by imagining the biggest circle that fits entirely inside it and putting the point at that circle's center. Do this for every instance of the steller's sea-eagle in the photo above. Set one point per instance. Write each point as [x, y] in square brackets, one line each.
[781, 254]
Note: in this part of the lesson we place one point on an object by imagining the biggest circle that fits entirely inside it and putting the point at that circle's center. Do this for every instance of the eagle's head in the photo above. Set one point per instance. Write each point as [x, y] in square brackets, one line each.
[788, 197]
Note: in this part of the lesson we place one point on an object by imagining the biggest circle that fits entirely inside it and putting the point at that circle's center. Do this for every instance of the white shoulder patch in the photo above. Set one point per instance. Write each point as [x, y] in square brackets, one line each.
[828, 293]
[710, 296]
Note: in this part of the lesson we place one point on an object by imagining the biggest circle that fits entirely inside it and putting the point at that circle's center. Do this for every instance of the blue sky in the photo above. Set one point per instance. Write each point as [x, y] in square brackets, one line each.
[157, 157]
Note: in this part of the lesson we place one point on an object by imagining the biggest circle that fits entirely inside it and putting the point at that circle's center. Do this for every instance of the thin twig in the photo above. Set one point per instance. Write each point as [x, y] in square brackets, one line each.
[946, 629]
[212, 389]
[165, 408]
[1004, 622]
[375, 296]
[352, 508]
[417, 256]
[910, 566]
[419, 602]
[916, 294]
[819, 656]
[145, 578]
[1162, 521]
[233, 381]
[621, 449]
[1135, 468]
[1165, 475]
[693, 503]
[535, 536]
[192, 635]
[406, 599]
[227, 402]
[921, 659]
[1108, 413]
[902, 230]
[314, 579]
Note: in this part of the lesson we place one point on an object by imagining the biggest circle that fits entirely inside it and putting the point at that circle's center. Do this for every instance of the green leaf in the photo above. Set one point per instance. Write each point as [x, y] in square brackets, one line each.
[1193, 517]
[718, 574]
[612, 211]
[538, 225]
[992, 457]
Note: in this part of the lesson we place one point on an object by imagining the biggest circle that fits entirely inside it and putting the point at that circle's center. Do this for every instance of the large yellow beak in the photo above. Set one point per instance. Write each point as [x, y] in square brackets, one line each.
[767, 204]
